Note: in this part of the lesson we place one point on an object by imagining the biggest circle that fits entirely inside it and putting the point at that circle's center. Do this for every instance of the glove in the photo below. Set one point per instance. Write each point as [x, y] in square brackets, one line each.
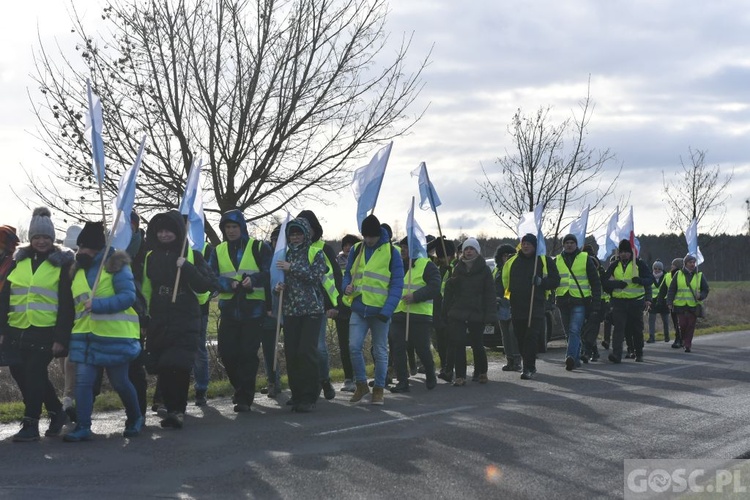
[620, 284]
[382, 317]
[536, 281]
[637, 280]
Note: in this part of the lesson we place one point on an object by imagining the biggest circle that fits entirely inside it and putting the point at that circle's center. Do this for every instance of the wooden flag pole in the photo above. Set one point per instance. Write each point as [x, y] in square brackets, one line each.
[278, 331]
[179, 269]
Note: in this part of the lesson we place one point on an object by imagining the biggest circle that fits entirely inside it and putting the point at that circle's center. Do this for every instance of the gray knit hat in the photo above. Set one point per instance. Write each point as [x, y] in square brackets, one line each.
[41, 224]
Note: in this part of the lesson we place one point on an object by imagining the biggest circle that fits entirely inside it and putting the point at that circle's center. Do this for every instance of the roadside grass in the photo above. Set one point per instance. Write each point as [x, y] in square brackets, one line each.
[726, 309]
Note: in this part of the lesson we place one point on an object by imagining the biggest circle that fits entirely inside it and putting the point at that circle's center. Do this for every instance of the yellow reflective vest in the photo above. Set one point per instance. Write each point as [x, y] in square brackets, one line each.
[567, 282]
[506, 273]
[122, 324]
[371, 279]
[329, 284]
[413, 281]
[684, 295]
[33, 295]
[247, 266]
[632, 290]
[147, 289]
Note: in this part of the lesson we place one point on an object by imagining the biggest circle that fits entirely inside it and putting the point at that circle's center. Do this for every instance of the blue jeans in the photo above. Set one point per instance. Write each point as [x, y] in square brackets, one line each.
[358, 327]
[118, 377]
[324, 369]
[573, 318]
[200, 367]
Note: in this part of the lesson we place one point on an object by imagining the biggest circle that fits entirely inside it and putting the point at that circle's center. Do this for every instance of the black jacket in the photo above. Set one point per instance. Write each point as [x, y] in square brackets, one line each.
[521, 274]
[470, 293]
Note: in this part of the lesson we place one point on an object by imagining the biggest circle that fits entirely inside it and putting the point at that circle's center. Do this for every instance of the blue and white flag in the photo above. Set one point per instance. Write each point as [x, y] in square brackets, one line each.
[428, 197]
[367, 181]
[93, 132]
[691, 236]
[192, 207]
[578, 227]
[415, 237]
[626, 231]
[122, 232]
[531, 222]
[279, 253]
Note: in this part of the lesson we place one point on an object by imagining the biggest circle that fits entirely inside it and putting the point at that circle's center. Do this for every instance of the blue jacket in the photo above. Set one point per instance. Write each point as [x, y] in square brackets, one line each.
[238, 307]
[395, 286]
[105, 351]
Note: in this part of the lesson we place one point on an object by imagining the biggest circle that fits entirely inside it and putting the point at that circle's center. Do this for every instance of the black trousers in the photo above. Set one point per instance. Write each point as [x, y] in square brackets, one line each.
[239, 342]
[457, 346]
[301, 350]
[33, 381]
[527, 337]
[174, 384]
[441, 345]
[419, 339]
[627, 322]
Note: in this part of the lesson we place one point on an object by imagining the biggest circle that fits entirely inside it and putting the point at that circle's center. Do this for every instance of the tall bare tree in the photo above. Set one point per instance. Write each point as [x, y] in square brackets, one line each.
[699, 190]
[553, 165]
[276, 97]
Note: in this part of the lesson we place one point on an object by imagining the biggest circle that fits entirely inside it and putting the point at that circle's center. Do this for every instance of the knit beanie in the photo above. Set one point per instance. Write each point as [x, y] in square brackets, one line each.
[529, 238]
[92, 236]
[569, 237]
[8, 238]
[41, 224]
[624, 246]
[370, 226]
[473, 243]
[71, 237]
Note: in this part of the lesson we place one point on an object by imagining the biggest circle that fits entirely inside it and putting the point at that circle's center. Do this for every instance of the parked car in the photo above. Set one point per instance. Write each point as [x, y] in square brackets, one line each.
[553, 330]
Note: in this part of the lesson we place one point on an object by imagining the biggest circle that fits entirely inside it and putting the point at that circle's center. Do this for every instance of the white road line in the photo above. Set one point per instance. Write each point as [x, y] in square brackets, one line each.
[396, 420]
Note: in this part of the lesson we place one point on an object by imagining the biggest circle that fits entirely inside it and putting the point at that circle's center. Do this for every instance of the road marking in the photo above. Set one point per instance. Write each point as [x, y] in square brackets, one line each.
[396, 420]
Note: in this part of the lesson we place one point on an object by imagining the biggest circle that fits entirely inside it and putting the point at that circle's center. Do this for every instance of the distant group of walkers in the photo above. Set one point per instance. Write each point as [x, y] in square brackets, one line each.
[146, 310]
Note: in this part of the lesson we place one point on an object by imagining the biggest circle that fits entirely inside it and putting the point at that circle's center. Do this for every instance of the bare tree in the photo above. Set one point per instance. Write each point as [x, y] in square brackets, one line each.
[276, 97]
[698, 191]
[552, 165]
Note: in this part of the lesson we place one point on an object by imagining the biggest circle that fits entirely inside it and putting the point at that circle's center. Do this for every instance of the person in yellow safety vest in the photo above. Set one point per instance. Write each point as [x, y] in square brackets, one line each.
[343, 317]
[175, 324]
[414, 312]
[677, 265]
[373, 282]
[304, 266]
[243, 267]
[659, 306]
[578, 296]
[330, 284]
[510, 343]
[687, 290]
[526, 277]
[106, 332]
[630, 281]
[35, 320]
[445, 259]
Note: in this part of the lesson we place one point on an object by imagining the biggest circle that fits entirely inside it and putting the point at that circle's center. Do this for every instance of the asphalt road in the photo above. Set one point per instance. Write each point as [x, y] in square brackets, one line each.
[561, 435]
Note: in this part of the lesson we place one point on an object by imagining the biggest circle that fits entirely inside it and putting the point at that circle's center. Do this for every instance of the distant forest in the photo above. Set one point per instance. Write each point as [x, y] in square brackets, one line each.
[727, 257]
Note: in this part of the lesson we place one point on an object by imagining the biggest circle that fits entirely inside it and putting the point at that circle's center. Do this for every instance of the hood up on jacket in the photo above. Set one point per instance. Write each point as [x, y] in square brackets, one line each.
[173, 221]
[303, 224]
[237, 217]
[317, 229]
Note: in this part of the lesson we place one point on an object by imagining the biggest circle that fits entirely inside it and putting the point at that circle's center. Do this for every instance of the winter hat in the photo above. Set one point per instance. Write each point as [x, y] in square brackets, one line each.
[92, 236]
[8, 238]
[688, 258]
[350, 240]
[473, 243]
[677, 263]
[529, 238]
[437, 244]
[41, 224]
[370, 226]
[569, 237]
[658, 265]
[504, 249]
[71, 237]
[388, 230]
[624, 246]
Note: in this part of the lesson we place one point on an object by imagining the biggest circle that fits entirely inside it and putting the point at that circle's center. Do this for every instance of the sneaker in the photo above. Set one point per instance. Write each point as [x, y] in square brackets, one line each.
[328, 391]
[400, 387]
[631, 354]
[614, 358]
[483, 378]
[570, 363]
[377, 396]
[527, 375]
[459, 382]
[133, 428]
[595, 357]
[56, 422]
[173, 420]
[241, 408]
[80, 433]
[29, 431]
[361, 391]
[431, 382]
[200, 398]
[349, 386]
[605, 344]
[448, 377]
[585, 358]
[510, 367]
[639, 358]
[264, 390]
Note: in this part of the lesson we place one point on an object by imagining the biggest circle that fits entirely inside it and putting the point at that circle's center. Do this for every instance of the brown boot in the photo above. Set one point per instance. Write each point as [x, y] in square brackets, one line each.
[377, 395]
[362, 391]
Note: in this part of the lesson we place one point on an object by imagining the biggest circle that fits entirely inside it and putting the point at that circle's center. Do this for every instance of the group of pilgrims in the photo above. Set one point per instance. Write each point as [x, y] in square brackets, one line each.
[146, 309]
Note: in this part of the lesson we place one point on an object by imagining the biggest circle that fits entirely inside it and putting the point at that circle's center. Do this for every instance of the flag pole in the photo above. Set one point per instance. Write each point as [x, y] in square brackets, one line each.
[179, 269]
[106, 252]
[278, 331]
[408, 281]
[533, 286]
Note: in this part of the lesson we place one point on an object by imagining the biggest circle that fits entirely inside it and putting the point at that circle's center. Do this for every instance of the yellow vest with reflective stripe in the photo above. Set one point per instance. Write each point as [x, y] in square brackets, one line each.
[329, 284]
[372, 277]
[506, 274]
[567, 282]
[122, 324]
[632, 290]
[446, 276]
[413, 281]
[147, 289]
[247, 266]
[33, 295]
[205, 296]
[684, 296]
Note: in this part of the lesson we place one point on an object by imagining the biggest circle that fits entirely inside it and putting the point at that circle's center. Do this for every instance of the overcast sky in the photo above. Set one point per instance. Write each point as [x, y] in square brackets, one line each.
[665, 76]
